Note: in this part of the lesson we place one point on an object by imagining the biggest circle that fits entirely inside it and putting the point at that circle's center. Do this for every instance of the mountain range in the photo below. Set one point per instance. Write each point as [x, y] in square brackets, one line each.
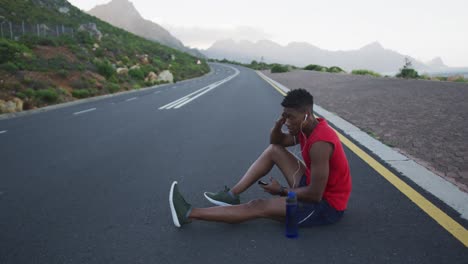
[372, 56]
[123, 14]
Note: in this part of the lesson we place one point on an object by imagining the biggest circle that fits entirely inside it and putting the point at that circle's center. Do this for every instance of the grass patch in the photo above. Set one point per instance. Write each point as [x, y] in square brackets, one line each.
[62, 73]
[48, 95]
[9, 67]
[113, 87]
[335, 69]
[81, 93]
[277, 68]
[137, 74]
[315, 67]
[365, 72]
[461, 79]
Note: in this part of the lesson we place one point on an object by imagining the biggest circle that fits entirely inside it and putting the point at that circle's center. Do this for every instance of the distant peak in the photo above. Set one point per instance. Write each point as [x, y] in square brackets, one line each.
[122, 3]
[267, 43]
[436, 62]
[301, 44]
[118, 7]
[229, 41]
[126, 2]
[373, 46]
[245, 42]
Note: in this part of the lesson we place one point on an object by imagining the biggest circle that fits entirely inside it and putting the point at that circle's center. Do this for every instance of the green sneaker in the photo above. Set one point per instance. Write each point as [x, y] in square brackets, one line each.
[180, 209]
[222, 198]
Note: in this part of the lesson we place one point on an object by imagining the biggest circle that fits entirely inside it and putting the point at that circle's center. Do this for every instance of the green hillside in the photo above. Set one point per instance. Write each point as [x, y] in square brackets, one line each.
[52, 52]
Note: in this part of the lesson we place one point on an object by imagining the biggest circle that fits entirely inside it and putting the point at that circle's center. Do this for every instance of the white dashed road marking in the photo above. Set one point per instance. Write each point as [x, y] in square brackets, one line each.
[84, 111]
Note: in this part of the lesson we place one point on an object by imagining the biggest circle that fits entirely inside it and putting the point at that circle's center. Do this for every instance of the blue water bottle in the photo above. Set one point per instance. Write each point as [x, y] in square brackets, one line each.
[291, 221]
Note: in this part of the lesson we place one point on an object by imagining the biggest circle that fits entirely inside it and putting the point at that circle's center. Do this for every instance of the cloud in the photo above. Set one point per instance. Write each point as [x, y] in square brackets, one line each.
[203, 37]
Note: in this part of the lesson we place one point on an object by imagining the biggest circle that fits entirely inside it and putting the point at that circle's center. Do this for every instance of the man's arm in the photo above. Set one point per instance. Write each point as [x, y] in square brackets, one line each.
[320, 154]
[277, 136]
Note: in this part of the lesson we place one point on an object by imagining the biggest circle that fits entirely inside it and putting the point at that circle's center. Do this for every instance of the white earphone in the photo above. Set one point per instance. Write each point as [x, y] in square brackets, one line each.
[295, 154]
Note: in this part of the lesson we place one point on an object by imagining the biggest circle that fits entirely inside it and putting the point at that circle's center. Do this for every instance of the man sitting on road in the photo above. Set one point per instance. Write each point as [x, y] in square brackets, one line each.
[322, 184]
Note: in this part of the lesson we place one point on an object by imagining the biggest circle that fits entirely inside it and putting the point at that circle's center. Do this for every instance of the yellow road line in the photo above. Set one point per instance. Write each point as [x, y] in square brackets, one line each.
[272, 84]
[453, 227]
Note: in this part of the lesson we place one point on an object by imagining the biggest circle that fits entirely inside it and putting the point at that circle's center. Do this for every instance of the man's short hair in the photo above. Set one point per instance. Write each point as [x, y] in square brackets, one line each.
[299, 99]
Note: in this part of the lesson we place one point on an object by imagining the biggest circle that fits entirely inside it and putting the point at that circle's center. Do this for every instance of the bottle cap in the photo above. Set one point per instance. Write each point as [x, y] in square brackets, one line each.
[291, 194]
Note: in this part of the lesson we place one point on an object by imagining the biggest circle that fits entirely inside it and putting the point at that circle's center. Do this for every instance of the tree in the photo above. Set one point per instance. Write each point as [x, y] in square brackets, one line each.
[407, 71]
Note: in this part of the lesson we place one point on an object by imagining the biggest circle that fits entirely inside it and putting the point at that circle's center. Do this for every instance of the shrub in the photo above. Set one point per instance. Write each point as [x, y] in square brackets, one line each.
[113, 79]
[146, 69]
[424, 77]
[84, 37]
[36, 84]
[30, 40]
[62, 73]
[58, 63]
[277, 68]
[137, 74]
[335, 69]
[21, 95]
[44, 41]
[460, 79]
[79, 84]
[92, 82]
[9, 67]
[30, 93]
[113, 87]
[408, 73]
[314, 67]
[10, 50]
[441, 78]
[125, 60]
[99, 53]
[365, 72]
[48, 95]
[81, 93]
[104, 68]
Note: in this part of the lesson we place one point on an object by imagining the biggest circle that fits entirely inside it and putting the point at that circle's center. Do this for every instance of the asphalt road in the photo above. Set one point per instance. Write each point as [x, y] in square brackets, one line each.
[89, 183]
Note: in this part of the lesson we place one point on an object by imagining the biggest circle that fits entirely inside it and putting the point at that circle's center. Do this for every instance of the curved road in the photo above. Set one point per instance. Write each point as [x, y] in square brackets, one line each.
[89, 183]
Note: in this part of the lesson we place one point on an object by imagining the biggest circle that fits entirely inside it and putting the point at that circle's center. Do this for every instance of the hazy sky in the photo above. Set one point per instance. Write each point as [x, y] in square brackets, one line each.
[422, 29]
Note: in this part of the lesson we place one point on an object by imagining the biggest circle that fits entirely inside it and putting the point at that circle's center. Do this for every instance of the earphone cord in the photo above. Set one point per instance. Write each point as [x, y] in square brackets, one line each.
[297, 159]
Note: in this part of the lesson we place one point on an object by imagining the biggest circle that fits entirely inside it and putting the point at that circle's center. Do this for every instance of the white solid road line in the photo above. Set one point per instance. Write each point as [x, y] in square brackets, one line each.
[179, 102]
[130, 99]
[4, 131]
[169, 105]
[187, 99]
[200, 94]
[84, 111]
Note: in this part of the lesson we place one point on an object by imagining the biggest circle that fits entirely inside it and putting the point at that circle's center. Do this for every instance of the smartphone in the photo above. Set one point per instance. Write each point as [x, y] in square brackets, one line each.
[262, 182]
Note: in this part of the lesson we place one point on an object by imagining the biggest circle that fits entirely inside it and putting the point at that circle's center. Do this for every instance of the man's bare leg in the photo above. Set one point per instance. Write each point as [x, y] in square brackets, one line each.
[273, 155]
[261, 208]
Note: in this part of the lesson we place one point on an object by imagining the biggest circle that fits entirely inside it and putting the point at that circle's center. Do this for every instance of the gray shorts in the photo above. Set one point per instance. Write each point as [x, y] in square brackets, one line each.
[314, 214]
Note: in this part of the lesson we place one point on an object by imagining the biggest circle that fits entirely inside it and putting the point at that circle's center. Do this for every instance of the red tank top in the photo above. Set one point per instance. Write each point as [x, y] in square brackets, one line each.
[338, 186]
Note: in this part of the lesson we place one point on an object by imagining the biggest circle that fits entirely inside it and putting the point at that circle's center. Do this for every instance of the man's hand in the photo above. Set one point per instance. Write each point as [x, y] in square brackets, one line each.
[273, 188]
[276, 135]
[280, 122]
